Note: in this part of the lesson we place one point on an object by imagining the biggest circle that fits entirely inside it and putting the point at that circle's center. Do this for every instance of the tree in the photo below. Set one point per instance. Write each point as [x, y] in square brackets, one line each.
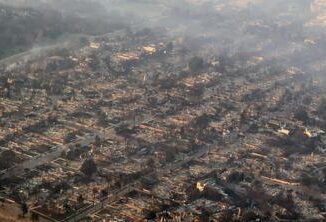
[322, 108]
[150, 163]
[95, 191]
[149, 214]
[103, 194]
[34, 217]
[170, 153]
[307, 100]
[7, 159]
[205, 215]
[201, 122]
[24, 208]
[103, 119]
[197, 92]
[60, 187]
[80, 199]
[89, 167]
[196, 64]
[84, 41]
[66, 206]
[169, 47]
[302, 115]
[98, 141]
[70, 137]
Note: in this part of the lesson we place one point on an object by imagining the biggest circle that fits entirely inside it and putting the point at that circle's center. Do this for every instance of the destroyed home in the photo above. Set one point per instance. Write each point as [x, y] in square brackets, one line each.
[178, 119]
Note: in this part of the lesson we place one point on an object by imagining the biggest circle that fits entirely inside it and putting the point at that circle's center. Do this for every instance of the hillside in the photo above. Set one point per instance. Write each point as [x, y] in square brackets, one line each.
[25, 28]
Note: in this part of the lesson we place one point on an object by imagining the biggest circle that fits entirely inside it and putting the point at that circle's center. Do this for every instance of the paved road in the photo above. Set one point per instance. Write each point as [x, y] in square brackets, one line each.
[115, 195]
[56, 151]
[108, 133]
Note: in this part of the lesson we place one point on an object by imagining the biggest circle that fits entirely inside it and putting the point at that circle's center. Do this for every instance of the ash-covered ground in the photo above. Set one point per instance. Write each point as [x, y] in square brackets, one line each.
[162, 110]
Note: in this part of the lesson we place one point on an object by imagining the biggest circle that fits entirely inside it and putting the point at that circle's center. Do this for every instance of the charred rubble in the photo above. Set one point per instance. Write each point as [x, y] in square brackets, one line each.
[137, 126]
